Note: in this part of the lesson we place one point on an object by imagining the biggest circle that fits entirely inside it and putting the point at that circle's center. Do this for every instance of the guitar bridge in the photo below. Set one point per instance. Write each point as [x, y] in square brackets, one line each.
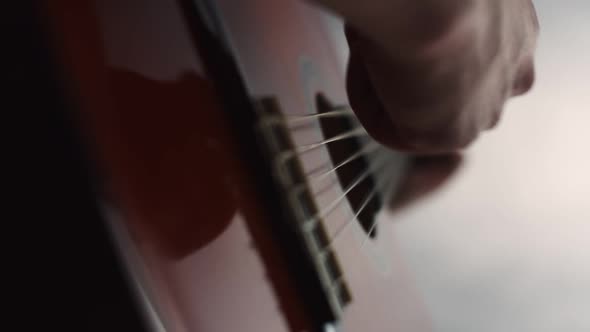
[301, 211]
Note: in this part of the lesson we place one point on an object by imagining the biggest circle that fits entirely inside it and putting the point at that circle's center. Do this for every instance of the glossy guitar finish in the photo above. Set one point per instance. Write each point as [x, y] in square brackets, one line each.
[189, 215]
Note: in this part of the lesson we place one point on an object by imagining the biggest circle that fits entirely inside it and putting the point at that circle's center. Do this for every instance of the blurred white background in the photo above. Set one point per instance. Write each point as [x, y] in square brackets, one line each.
[505, 244]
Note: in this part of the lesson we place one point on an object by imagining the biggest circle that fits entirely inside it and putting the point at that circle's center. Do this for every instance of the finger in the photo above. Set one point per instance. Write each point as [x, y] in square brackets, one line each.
[365, 103]
[379, 124]
[417, 128]
[525, 77]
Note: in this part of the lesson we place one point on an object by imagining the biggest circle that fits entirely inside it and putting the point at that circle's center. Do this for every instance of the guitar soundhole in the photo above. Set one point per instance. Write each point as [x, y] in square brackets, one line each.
[342, 150]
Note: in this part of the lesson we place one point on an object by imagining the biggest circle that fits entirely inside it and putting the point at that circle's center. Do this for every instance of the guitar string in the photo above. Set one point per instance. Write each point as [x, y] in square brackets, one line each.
[301, 186]
[376, 167]
[310, 223]
[371, 229]
[363, 151]
[340, 232]
[365, 202]
[368, 197]
[285, 155]
[343, 111]
[340, 111]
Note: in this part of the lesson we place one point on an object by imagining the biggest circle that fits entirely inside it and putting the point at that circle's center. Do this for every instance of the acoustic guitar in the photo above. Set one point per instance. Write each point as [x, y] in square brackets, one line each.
[241, 192]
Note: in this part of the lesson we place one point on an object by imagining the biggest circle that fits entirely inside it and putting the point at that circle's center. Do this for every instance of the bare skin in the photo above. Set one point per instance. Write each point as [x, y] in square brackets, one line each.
[428, 76]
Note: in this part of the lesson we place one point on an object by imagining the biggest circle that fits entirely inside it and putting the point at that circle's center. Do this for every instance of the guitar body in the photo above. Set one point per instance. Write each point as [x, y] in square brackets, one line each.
[163, 90]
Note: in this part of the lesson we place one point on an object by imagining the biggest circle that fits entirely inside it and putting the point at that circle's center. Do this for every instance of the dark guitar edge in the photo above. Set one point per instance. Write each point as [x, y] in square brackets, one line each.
[79, 282]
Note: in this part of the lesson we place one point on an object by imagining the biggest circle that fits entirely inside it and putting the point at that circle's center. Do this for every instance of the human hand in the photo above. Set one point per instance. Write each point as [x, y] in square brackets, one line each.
[436, 89]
